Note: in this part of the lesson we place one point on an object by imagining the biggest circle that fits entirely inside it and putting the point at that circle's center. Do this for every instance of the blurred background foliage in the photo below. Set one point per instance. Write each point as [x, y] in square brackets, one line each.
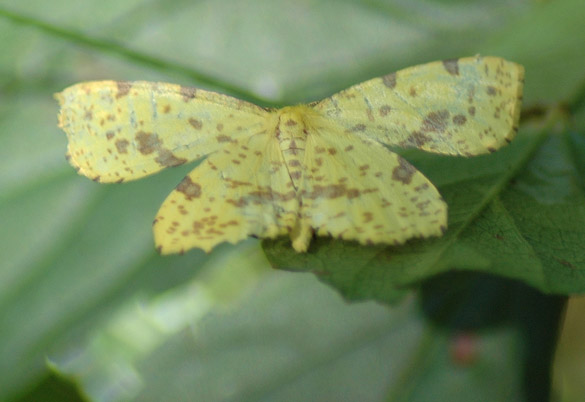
[88, 310]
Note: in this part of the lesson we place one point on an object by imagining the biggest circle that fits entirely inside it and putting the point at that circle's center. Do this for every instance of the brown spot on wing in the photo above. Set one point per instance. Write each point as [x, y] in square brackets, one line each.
[122, 146]
[459, 119]
[262, 195]
[435, 121]
[419, 138]
[189, 188]
[234, 183]
[188, 93]
[452, 66]
[147, 142]
[223, 138]
[403, 172]
[389, 80]
[168, 159]
[197, 124]
[384, 110]
[123, 88]
[331, 191]
[368, 217]
[353, 193]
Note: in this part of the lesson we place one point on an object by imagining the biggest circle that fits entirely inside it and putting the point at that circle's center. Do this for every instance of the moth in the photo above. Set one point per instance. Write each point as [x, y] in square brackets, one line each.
[319, 168]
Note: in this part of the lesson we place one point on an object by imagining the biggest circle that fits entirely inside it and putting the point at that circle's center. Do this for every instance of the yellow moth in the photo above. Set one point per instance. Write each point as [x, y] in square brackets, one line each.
[316, 168]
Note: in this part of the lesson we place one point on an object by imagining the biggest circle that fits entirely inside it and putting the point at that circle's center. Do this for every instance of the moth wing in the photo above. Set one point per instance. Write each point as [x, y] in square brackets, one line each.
[466, 107]
[356, 189]
[242, 190]
[120, 131]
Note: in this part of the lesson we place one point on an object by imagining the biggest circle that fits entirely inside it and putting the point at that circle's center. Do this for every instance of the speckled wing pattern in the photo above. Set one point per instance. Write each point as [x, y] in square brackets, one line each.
[120, 131]
[468, 106]
[356, 189]
[319, 168]
[242, 190]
